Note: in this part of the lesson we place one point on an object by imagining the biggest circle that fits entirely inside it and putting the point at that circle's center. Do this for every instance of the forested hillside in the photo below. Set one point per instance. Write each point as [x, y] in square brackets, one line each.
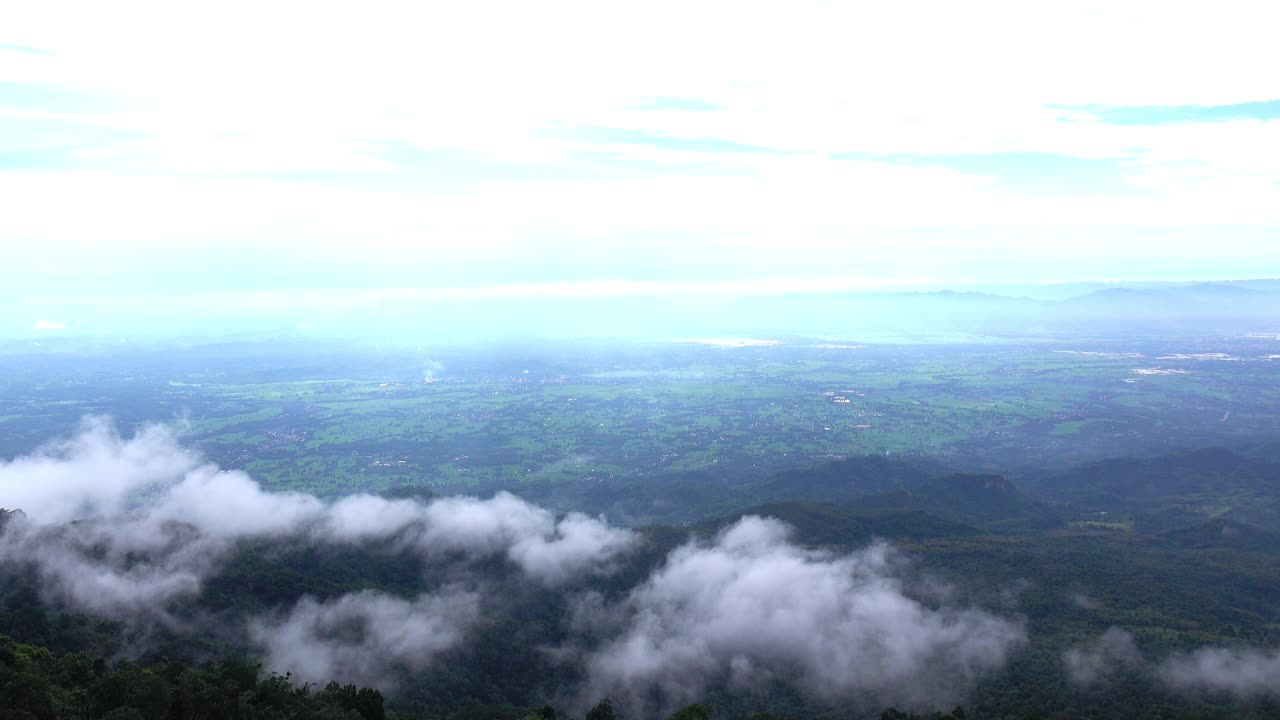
[1063, 615]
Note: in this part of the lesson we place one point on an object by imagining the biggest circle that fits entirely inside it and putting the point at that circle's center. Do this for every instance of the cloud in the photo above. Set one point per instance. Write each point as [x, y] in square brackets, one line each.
[206, 149]
[94, 473]
[578, 542]
[545, 548]
[48, 325]
[125, 526]
[1084, 602]
[115, 570]
[1114, 649]
[365, 637]
[1243, 672]
[230, 504]
[751, 607]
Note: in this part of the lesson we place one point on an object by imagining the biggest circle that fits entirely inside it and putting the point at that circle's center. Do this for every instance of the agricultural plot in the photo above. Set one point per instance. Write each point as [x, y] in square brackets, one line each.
[576, 412]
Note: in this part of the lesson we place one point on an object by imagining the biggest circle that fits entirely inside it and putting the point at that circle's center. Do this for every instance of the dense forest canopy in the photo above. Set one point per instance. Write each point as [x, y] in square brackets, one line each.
[838, 589]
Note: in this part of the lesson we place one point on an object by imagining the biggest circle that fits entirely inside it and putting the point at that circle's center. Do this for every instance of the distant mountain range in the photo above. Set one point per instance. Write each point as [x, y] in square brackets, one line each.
[1125, 311]
[1166, 496]
[1088, 309]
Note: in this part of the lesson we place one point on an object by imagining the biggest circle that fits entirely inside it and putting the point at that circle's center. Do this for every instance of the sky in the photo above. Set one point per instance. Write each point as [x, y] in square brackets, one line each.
[586, 148]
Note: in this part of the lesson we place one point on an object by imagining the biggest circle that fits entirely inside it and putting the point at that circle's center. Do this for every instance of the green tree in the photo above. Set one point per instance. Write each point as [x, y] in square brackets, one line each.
[124, 713]
[132, 686]
[602, 711]
[26, 692]
[692, 712]
[546, 712]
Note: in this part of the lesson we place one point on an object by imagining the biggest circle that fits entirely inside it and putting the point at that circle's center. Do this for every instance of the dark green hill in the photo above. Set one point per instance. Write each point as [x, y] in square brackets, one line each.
[954, 505]
[693, 496]
[1223, 532]
[1141, 480]
[892, 487]
[844, 480]
[989, 501]
[1194, 485]
[826, 524]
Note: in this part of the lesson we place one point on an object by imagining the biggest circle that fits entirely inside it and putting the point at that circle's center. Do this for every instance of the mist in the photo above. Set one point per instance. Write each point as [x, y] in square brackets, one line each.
[1241, 672]
[1092, 663]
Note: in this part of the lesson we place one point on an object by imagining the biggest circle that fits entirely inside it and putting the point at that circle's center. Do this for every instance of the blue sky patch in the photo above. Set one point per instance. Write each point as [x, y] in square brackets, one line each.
[675, 103]
[44, 144]
[1178, 114]
[620, 136]
[52, 98]
[1024, 172]
[23, 49]
[460, 171]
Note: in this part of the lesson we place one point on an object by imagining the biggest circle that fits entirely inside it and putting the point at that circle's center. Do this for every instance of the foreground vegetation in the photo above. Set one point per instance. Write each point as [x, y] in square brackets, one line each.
[38, 684]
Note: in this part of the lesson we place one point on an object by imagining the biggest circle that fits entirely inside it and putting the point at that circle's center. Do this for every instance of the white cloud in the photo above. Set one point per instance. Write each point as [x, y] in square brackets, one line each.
[752, 607]
[95, 473]
[200, 98]
[364, 637]
[1245, 672]
[47, 325]
[126, 526]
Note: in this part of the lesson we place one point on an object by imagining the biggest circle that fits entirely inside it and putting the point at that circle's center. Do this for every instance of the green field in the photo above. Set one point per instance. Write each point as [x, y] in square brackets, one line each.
[649, 410]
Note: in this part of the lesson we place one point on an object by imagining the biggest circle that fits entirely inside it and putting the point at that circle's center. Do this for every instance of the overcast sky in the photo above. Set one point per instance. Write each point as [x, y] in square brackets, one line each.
[227, 146]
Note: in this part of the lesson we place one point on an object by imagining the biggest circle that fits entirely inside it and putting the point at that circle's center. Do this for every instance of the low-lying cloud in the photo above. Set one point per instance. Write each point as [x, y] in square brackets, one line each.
[365, 637]
[124, 526]
[94, 473]
[1243, 672]
[751, 607]
[92, 568]
[1088, 664]
[548, 549]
